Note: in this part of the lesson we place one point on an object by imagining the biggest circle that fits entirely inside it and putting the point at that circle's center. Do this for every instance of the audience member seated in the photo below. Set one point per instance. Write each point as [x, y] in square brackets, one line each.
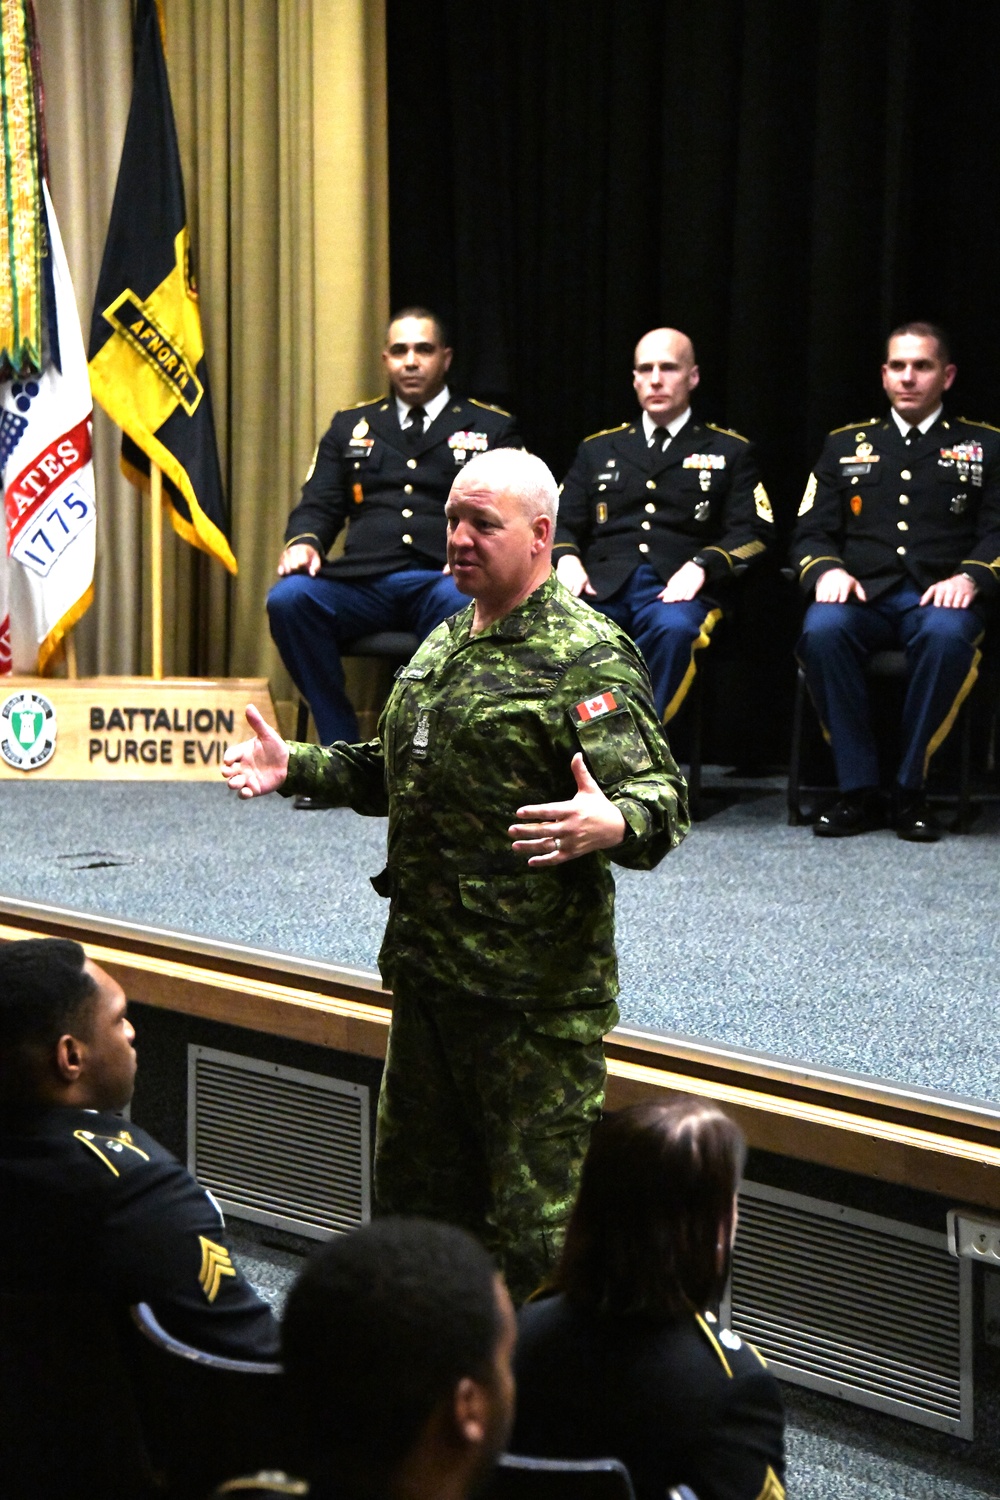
[397, 1343]
[624, 1356]
[90, 1205]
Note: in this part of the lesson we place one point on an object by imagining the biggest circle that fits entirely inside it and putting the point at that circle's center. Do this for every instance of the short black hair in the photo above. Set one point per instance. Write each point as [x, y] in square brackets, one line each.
[421, 312]
[656, 1198]
[380, 1326]
[922, 330]
[45, 991]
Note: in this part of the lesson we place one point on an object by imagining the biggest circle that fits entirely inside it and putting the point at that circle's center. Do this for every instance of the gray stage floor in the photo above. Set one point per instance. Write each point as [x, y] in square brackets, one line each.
[866, 954]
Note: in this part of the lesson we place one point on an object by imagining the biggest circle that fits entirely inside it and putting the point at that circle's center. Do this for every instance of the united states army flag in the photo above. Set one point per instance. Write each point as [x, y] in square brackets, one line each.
[147, 358]
[47, 565]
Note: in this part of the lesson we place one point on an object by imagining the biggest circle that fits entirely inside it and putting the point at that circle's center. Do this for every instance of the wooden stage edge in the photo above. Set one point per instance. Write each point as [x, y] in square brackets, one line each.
[914, 1137]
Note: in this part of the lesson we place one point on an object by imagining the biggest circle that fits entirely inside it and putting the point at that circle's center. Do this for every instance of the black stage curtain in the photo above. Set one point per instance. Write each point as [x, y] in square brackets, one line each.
[782, 179]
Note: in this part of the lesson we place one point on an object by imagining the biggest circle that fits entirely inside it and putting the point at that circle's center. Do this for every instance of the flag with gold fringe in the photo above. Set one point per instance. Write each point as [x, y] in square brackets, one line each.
[47, 561]
[147, 356]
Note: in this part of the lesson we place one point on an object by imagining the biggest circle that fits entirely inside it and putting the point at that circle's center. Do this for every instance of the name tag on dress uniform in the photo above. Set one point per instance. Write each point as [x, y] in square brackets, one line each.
[851, 467]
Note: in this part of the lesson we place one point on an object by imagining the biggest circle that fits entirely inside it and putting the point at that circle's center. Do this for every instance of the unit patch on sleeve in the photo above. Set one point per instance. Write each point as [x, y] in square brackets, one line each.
[593, 708]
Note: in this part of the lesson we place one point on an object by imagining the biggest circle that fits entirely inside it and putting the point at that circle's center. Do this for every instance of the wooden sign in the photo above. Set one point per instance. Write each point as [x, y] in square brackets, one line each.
[124, 728]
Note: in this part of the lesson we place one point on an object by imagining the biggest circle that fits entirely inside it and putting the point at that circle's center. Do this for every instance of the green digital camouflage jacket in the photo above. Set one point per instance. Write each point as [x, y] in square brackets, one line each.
[477, 726]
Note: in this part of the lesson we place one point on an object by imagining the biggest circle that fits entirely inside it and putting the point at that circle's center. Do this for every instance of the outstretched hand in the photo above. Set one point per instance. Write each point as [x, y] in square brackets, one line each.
[259, 765]
[559, 831]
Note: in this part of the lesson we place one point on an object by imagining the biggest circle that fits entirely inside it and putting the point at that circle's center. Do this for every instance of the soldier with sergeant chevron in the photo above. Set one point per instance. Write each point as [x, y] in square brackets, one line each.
[383, 469]
[898, 540]
[657, 517]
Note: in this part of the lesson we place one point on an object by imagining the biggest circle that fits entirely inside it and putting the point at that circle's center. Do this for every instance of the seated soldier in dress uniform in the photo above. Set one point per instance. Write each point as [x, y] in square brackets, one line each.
[397, 1344]
[898, 540]
[384, 468]
[656, 517]
[89, 1203]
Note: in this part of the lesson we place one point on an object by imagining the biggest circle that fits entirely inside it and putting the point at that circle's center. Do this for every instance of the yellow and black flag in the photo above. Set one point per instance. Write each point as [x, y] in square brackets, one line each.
[147, 358]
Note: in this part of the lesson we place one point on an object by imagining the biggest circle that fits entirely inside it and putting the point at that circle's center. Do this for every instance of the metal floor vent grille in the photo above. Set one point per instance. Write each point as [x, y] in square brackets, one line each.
[865, 1308]
[277, 1145]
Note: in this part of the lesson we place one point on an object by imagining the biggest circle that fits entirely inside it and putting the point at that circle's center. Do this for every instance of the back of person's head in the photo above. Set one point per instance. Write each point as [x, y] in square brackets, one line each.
[651, 1232]
[45, 991]
[381, 1328]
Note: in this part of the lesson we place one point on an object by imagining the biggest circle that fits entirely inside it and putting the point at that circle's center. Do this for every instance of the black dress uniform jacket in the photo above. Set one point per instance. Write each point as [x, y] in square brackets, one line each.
[91, 1204]
[365, 472]
[887, 512]
[678, 1403]
[622, 504]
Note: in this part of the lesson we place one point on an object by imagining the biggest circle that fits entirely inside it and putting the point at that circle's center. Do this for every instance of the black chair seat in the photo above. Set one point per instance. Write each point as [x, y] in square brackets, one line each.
[396, 645]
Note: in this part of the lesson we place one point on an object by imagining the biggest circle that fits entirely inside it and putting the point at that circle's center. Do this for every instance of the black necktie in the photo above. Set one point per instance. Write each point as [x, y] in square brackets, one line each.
[661, 436]
[415, 429]
[912, 435]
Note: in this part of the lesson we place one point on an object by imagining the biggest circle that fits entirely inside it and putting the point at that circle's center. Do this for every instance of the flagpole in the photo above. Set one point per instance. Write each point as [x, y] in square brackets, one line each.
[156, 580]
[71, 669]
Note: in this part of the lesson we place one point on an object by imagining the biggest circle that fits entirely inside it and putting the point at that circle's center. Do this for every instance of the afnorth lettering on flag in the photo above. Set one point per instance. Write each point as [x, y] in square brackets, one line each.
[147, 357]
[47, 565]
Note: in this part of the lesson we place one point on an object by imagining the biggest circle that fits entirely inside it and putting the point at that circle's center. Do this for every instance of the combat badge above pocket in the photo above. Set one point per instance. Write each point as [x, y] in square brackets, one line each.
[609, 737]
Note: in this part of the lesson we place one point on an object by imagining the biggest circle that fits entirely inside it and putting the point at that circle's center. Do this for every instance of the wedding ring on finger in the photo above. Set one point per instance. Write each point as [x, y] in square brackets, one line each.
[556, 843]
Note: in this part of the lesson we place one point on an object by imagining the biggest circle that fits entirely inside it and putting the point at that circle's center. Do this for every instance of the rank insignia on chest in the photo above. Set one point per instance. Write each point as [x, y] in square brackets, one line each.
[705, 461]
[703, 510]
[593, 708]
[464, 443]
[602, 512]
[421, 734]
[856, 505]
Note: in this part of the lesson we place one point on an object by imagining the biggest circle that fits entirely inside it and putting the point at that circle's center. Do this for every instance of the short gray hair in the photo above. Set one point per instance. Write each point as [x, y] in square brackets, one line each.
[519, 473]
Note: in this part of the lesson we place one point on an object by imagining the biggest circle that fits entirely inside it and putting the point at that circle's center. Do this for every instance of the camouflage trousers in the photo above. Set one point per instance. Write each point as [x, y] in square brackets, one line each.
[484, 1118]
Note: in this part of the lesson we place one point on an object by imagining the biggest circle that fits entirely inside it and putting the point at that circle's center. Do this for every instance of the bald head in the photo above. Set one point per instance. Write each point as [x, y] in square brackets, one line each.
[665, 374]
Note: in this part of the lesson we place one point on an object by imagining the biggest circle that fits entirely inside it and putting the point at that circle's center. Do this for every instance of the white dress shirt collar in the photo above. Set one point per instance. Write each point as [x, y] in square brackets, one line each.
[673, 428]
[904, 426]
[433, 408]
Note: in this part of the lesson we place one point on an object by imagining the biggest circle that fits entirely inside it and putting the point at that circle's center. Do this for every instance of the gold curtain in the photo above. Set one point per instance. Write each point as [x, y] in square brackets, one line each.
[280, 113]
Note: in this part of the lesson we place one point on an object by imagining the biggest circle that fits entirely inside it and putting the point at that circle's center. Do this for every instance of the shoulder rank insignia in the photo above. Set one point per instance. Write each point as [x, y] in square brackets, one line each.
[714, 1343]
[107, 1147]
[968, 422]
[871, 422]
[762, 504]
[727, 431]
[485, 406]
[605, 432]
[215, 1263]
[593, 708]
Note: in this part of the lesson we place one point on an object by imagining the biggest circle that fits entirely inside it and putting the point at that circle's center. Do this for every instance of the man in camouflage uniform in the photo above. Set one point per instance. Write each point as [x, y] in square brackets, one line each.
[519, 752]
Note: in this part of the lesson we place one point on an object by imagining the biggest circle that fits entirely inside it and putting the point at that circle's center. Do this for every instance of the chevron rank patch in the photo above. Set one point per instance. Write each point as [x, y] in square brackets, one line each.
[215, 1263]
[593, 708]
[762, 504]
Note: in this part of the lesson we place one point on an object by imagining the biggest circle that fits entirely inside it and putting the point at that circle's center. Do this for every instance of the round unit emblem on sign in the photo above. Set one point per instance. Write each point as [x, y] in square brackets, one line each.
[27, 731]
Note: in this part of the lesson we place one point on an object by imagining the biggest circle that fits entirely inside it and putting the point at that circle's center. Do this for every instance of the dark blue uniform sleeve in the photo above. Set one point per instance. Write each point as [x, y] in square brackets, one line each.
[163, 1241]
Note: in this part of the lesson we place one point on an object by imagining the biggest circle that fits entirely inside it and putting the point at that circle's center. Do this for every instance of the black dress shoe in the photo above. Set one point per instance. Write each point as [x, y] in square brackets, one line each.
[914, 820]
[856, 812]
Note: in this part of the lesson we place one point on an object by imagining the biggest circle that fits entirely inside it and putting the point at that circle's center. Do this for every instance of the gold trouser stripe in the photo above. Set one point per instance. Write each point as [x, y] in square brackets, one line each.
[941, 734]
[708, 624]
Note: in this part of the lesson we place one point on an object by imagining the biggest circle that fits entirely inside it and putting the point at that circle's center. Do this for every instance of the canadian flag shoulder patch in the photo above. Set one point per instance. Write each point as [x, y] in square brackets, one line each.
[593, 708]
